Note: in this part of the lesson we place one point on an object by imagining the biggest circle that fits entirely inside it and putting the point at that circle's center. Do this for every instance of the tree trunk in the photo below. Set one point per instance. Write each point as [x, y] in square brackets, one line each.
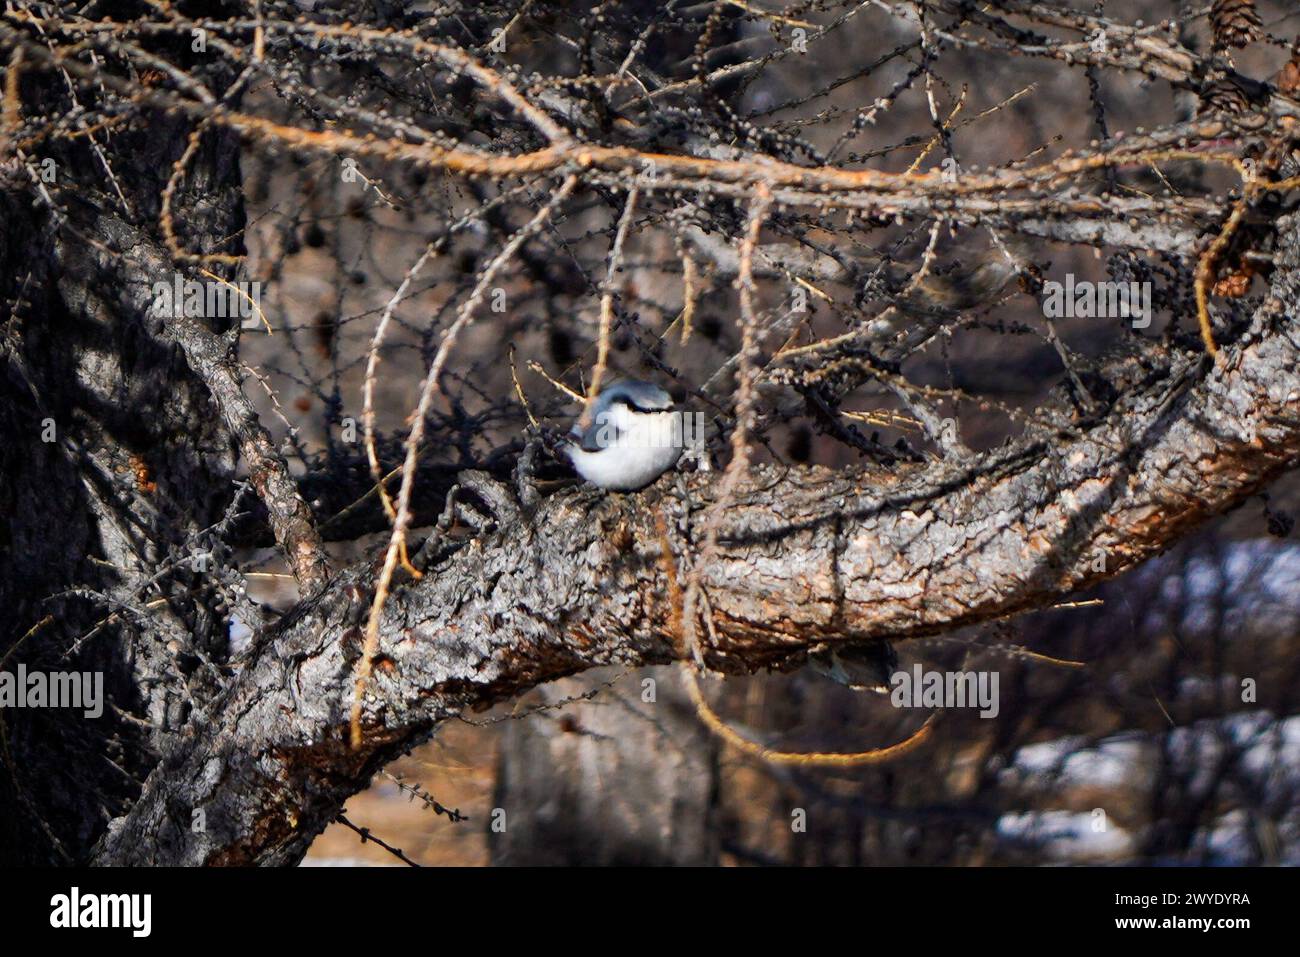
[628, 779]
[115, 461]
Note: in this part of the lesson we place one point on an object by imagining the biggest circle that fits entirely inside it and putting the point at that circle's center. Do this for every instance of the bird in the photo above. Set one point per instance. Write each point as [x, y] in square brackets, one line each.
[628, 437]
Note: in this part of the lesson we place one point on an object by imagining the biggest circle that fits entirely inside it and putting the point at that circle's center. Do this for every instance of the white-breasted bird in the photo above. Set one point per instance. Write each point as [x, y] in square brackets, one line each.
[630, 436]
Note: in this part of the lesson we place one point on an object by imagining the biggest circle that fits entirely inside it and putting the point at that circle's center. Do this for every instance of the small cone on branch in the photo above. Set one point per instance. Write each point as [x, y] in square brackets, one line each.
[1288, 83]
[1235, 23]
[1288, 80]
[1236, 283]
[1224, 95]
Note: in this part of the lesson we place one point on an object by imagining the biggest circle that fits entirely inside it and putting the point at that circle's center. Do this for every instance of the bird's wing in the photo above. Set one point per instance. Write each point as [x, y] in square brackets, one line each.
[594, 439]
[606, 429]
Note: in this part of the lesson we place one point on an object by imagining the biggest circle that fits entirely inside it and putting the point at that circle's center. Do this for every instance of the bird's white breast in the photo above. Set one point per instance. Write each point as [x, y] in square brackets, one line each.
[647, 445]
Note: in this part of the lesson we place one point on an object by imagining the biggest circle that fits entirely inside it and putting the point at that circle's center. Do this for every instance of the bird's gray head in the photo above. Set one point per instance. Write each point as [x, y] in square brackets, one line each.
[628, 436]
[637, 396]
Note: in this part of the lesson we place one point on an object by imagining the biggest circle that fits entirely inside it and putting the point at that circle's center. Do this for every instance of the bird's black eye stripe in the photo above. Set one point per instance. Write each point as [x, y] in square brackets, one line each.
[633, 406]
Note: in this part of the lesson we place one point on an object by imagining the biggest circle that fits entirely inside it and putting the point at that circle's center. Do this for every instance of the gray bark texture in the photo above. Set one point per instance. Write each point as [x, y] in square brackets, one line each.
[138, 468]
